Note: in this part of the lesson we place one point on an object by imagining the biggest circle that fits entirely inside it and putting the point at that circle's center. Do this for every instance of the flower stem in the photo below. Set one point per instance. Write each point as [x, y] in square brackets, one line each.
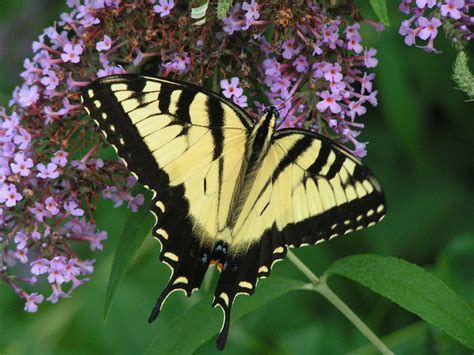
[303, 268]
[324, 290]
[319, 285]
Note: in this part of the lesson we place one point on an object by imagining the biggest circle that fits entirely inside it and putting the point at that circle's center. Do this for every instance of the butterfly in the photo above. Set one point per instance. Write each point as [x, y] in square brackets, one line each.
[228, 190]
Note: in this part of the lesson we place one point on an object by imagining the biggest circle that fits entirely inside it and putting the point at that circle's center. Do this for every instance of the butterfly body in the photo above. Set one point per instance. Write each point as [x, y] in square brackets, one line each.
[229, 191]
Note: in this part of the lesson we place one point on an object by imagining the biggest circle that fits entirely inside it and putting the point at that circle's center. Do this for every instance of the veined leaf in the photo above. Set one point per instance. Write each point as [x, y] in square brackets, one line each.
[412, 288]
[198, 324]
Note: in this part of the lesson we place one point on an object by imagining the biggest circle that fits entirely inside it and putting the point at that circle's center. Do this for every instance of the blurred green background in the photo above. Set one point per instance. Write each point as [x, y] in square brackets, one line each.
[421, 148]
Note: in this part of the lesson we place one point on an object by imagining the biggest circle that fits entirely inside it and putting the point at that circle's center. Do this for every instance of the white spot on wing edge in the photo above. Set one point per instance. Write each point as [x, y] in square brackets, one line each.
[245, 284]
[171, 256]
[161, 232]
[278, 250]
[225, 297]
[161, 206]
[181, 280]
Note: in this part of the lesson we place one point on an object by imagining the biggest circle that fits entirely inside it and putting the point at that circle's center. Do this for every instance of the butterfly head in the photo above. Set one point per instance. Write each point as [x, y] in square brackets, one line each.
[264, 129]
[268, 119]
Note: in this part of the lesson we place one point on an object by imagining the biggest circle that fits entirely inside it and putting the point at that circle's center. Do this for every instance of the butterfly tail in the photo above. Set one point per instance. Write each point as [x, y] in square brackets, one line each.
[238, 276]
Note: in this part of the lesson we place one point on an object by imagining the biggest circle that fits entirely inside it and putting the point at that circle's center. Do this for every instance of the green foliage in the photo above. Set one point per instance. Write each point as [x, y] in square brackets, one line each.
[413, 289]
[404, 119]
[223, 7]
[462, 75]
[380, 9]
[137, 228]
[200, 324]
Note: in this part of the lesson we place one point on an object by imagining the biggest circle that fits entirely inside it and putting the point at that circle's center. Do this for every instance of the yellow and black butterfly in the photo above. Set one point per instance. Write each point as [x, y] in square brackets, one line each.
[228, 190]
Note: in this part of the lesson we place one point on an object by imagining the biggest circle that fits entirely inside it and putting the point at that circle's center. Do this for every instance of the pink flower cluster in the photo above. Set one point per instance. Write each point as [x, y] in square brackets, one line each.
[232, 91]
[49, 178]
[427, 16]
[311, 64]
[241, 17]
[325, 55]
[164, 7]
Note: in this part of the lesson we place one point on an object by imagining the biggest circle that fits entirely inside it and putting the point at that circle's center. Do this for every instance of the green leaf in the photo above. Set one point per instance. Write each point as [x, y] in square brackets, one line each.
[223, 7]
[198, 324]
[412, 288]
[380, 9]
[462, 75]
[137, 228]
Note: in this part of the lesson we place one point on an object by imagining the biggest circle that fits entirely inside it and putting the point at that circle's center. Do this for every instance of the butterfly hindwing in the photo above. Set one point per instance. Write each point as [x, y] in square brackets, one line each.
[183, 144]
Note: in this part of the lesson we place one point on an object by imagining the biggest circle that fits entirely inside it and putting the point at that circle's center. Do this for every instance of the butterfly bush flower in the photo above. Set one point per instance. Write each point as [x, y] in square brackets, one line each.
[105, 44]
[46, 203]
[311, 64]
[323, 54]
[428, 16]
[164, 7]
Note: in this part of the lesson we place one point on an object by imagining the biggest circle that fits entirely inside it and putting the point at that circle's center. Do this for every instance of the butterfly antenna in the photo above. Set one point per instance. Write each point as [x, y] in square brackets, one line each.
[290, 96]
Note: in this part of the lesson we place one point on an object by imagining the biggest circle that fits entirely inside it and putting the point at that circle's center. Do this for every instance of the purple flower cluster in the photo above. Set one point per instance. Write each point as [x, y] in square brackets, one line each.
[50, 177]
[164, 7]
[232, 91]
[427, 16]
[324, 55]
[241, 17]
[308, 62]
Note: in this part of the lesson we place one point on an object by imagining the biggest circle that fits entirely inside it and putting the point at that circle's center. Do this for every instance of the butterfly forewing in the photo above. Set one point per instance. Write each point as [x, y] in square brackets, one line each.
[186, 145]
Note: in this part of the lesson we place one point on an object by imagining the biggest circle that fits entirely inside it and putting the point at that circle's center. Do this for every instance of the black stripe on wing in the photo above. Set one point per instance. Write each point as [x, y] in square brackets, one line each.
[356, 213]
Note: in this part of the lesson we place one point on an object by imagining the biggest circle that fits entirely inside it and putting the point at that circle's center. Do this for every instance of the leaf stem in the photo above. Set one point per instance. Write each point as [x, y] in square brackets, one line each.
[303, 268]
[319, 285]
[324, 290]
